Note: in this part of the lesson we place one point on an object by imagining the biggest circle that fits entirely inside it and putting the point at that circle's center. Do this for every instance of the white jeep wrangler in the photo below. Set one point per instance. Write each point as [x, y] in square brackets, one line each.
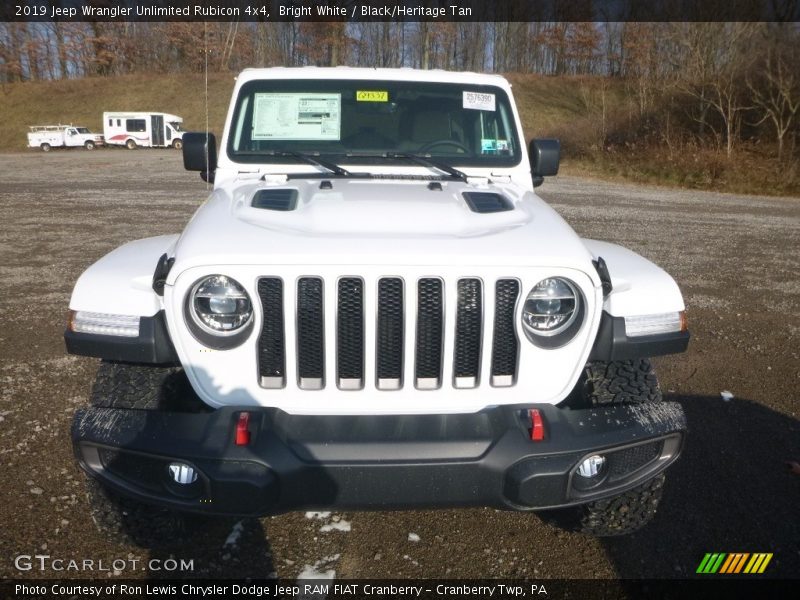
[374, 310]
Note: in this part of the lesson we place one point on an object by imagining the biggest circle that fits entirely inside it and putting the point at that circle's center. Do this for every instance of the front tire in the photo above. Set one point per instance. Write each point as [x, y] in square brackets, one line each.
[89, 145]
[608, 384]
[177, 144]
[130, 144]
[120, 385]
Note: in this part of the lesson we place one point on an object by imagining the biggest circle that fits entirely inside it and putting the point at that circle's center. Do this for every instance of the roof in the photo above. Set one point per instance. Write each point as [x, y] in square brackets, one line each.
[402, 74]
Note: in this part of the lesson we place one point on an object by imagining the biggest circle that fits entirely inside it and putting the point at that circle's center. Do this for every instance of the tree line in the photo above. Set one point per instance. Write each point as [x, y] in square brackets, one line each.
[717, 83]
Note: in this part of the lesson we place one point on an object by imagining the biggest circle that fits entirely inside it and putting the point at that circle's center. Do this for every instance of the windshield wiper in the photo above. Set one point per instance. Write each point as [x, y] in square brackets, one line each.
[312, 160]
[420, 160]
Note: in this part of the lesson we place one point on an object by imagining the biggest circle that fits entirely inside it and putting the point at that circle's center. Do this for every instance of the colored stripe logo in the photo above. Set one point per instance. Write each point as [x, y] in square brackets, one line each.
[735, 562]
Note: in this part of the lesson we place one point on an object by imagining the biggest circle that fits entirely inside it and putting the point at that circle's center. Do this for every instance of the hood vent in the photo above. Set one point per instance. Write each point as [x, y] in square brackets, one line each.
[282, 199]
[487, 202]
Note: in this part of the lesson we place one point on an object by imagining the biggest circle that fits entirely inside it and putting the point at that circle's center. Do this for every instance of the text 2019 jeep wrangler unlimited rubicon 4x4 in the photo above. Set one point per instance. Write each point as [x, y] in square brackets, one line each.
[373, 310]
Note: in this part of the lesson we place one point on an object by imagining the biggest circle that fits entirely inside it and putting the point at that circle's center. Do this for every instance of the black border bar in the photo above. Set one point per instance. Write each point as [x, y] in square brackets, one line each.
[400, 10]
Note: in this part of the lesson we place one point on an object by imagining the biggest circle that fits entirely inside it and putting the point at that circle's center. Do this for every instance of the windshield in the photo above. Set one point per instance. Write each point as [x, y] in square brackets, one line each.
[175, 125]
[365, 122]
[83, 130]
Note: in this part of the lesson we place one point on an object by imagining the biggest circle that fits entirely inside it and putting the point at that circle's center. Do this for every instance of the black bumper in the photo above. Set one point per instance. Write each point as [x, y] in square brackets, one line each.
[377, 462]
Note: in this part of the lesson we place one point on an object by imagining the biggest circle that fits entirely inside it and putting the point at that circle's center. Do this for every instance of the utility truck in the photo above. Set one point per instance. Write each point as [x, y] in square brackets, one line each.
[47, 137]
[143, 129]
[373, 309]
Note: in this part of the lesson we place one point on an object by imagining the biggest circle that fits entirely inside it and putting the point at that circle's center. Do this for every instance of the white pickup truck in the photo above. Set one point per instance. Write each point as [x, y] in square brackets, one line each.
[373, 309]
[47, 137]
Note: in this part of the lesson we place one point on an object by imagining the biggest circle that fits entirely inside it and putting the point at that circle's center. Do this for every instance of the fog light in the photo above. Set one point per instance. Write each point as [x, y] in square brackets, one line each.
[182, 473]
[592, 466]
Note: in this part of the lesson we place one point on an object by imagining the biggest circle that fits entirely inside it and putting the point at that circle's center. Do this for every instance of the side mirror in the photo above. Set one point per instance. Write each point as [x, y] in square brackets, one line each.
[544, 155]
[200, 154]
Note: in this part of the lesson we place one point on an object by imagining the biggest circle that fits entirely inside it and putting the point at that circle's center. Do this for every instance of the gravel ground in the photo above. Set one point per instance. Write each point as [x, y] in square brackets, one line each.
[735, 258]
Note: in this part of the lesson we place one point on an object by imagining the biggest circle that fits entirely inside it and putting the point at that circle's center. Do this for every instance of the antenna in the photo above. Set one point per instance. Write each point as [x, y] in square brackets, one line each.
[205, 54]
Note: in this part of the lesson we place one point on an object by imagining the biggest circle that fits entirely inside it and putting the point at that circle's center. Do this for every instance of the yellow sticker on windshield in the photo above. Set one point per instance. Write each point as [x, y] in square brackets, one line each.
[371, 96]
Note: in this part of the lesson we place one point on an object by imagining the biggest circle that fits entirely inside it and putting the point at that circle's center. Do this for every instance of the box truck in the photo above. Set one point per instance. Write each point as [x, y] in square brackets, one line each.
[145, 129]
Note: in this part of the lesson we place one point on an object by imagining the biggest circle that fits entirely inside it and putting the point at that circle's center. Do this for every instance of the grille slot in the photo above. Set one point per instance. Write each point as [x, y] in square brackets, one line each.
[469, 324]
[390, 329]
[310, 337]
[624, 462]
[505, 344]
[430, 333]
[350, 333]
[271, 351]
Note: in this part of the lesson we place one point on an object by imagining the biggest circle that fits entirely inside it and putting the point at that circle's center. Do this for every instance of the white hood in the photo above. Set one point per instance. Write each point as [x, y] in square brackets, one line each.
[377, 221]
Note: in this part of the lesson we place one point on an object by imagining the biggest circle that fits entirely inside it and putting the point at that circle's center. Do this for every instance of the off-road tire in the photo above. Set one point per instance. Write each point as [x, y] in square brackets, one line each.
[125, 521]
[177, 144]
[608, 384]
[89, 145]
[45, 147]
[130, 144]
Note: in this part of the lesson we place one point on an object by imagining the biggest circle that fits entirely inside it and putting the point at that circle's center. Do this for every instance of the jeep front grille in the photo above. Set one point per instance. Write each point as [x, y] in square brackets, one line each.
[271, 352]
[390, 331]
[505, 347]
[471, 332]
[350, 333]
[310, 334]
[469, 326]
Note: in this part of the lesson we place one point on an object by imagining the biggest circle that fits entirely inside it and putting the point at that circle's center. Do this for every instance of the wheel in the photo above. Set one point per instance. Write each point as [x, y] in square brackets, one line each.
[607, 384]
[177, 144]
[454, 143]
[45, 147]
[130, 144]
[120, 519]
[89, 145]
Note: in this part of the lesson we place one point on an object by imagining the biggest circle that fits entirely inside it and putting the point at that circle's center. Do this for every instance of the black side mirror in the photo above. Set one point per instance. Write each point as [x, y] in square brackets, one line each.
[544, 155]
[200, 154]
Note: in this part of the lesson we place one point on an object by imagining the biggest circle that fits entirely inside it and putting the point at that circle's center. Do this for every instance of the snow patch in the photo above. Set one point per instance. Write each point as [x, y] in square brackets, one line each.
[413, 537]
[318, 515]
[318, 570]
[336, 526]
[726, 395]
[234, 535]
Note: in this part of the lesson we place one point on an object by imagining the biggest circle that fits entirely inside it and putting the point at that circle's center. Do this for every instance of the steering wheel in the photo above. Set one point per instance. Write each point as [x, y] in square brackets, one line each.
[435, 143]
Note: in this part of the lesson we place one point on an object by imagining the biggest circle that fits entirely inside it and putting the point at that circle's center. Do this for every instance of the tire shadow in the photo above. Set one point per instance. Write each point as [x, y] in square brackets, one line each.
[730, 491]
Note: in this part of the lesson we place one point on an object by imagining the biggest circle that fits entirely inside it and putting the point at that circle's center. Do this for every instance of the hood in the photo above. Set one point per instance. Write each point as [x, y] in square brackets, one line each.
[377, 221]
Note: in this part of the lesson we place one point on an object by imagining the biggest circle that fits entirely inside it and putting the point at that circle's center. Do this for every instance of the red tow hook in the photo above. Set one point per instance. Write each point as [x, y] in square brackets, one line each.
[537, 425]
[242, 431]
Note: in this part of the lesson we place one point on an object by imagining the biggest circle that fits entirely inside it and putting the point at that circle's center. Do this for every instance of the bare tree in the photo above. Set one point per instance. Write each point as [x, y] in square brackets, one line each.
[776, 93]
[717, 58]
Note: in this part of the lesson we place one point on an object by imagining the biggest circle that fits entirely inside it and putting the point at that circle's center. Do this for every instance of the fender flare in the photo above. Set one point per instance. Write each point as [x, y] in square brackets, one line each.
[638, 287]
[121, 283]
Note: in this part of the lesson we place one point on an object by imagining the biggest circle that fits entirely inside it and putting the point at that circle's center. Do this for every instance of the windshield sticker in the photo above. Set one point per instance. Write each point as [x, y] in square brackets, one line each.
[297, 116]
[371, 96]
[493, 146]
[478, 101]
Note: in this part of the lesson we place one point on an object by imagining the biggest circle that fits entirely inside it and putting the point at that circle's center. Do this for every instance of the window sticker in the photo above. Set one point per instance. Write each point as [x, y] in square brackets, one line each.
[478, 101]
[297, 116]
[493, 146]
[372, 96]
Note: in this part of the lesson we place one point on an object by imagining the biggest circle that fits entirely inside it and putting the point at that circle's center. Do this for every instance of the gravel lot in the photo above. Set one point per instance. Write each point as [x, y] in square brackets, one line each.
[735, 258]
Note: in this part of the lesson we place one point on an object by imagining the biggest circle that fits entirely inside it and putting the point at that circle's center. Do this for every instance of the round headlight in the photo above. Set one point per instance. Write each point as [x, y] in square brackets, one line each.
[220, 305]
[551, 308]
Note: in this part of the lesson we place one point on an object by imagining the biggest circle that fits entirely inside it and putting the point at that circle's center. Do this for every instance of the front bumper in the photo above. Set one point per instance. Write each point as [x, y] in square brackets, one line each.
[296, 462]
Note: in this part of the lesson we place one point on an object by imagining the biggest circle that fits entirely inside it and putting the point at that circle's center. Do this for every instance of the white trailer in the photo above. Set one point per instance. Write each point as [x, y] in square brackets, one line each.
[143, 129]
[62, 136]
